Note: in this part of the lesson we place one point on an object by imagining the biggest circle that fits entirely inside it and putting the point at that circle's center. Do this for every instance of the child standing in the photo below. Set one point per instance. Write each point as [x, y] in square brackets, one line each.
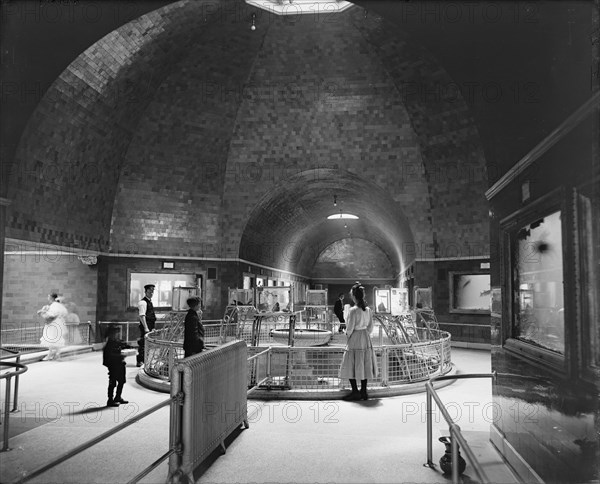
[114, 360]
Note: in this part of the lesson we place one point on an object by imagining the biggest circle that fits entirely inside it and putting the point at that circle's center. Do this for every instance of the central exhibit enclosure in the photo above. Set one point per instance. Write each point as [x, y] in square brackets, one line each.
[296, 352]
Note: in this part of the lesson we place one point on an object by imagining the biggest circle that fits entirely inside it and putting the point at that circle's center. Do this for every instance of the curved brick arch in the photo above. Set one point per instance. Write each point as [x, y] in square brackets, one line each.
[339, 261]
[71, 151]
[288, 227]
[126, 150]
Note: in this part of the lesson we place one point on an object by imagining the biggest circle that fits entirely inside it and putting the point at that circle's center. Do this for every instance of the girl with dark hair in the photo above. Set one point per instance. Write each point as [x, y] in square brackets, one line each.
[359, 361]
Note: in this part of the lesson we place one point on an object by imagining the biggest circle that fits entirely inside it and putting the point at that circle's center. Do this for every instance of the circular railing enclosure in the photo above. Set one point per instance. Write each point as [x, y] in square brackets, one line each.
[302, 372]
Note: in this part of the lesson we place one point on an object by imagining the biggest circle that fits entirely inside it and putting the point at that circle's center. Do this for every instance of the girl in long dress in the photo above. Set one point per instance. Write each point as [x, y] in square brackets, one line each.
[55, 329]
[359, 361]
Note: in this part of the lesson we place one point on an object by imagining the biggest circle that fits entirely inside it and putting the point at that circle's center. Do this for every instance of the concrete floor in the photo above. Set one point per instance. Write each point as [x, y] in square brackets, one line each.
[61, 405]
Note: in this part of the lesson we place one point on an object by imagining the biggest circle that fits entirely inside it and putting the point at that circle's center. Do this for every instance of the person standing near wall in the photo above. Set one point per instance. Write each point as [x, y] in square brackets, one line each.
[147, 320]
[359, 361]
[338, 310]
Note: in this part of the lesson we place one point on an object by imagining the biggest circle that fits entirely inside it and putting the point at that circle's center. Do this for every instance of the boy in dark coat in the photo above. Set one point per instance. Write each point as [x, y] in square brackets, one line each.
[193, 335]
[114, 360]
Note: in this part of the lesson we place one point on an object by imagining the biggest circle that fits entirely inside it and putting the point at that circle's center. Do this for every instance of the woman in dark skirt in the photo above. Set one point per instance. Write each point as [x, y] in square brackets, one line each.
[193, 336]
[359, 361]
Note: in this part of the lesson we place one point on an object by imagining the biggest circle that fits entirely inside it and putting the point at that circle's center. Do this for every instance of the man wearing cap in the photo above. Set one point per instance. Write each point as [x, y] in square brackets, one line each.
[147, 320]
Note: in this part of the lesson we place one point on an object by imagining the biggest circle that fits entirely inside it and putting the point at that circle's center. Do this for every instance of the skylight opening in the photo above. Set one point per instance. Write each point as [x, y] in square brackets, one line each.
[337, 216]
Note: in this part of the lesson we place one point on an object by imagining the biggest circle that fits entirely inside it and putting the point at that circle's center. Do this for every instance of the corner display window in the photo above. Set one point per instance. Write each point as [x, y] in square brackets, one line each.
[538, 284]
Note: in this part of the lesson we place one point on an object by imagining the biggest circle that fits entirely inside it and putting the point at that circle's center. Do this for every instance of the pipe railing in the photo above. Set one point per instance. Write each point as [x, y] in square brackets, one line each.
[456, 436]
[86, 445]
[8, 375]
[17, 355]
[252, 366]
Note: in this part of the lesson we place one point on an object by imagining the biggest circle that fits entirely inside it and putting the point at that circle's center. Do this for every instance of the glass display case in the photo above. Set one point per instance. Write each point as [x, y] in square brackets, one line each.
[180, 297]
[316, 308]
[274, 299]
[469, 292]
[316, 297]
[240, 297]
[423, 298]
[381, 300]
[538, 283]
[399, 301]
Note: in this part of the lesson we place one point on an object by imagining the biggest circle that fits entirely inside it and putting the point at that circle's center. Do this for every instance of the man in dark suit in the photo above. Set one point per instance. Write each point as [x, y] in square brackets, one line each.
[338, 310]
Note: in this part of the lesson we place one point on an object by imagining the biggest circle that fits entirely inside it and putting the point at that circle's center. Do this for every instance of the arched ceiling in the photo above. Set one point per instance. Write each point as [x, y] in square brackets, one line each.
[187, 134]
[288, 228]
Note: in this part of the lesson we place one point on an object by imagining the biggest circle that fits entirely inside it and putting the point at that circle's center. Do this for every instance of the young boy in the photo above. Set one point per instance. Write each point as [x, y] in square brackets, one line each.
[114, 360]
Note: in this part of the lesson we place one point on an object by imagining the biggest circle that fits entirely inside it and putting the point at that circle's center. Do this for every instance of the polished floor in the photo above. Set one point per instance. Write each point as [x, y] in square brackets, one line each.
[61, 405]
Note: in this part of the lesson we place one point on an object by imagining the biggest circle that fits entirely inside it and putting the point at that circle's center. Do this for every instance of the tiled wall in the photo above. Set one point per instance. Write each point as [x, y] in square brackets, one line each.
[113, 280]
[114, 276]
[70, 156]
[470, 328]
[29, 278]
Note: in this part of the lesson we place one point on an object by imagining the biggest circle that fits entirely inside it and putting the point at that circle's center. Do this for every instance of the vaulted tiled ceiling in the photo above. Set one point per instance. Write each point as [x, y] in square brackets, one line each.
[185, 133]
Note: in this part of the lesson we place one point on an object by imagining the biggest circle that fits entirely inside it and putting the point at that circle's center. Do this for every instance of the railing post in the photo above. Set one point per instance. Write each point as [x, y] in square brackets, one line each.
[429, 413]
[6, 405]
[454, 441]
[385, 369]
[15, 403]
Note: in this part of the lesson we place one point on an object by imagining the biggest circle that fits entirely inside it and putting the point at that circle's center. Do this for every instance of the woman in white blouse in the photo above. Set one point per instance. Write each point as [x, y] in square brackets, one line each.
[359, 361]
[55, 328]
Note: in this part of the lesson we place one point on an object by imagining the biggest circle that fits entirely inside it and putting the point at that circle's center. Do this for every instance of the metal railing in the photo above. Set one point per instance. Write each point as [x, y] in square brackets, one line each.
[186, 415]
[254, 366]
[161, 353]
[17, 356]
[456, 436]
[86, 445]
[314, 367]
[27, 336]
[8, 375]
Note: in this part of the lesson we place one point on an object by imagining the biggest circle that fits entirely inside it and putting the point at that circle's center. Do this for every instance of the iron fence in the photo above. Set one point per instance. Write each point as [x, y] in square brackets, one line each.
[26, 337]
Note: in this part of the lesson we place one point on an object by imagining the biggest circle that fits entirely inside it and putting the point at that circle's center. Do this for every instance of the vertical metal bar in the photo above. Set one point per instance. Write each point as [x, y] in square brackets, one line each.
[6, 406]
[176, 424]
[385, 369]
[454, 442]
[16, 399]
[429, 426]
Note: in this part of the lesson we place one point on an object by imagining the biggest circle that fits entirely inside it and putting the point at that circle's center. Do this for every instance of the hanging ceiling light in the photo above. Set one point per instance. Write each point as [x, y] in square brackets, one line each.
[334, 200]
